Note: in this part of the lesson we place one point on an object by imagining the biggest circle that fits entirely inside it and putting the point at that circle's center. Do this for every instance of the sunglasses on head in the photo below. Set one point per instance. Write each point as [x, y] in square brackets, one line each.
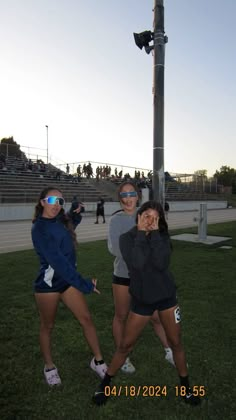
[53, 199]
[128, 194]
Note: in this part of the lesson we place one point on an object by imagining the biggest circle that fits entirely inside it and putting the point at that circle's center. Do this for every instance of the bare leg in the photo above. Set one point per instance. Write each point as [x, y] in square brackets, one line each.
[47, 305]
[121, 298]
[76, 302]
[173, 333]
[159, 330]
[133, 328]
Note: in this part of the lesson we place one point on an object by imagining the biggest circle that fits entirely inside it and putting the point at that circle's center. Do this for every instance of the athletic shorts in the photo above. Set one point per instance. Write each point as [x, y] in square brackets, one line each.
[44, 288]
[147, 309]
[100, 213]
[122, 281]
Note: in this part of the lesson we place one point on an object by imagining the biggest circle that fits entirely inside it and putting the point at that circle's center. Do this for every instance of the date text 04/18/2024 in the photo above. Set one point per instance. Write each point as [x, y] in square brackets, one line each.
[151, 391]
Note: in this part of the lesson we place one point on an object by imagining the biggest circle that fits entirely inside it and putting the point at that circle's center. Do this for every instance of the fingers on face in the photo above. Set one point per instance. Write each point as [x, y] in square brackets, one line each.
[148, 221]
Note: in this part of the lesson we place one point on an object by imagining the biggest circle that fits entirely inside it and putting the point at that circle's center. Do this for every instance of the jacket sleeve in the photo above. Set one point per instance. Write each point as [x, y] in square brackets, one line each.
[160, 250]
[135, 251]
[113, 238]
[45, 245]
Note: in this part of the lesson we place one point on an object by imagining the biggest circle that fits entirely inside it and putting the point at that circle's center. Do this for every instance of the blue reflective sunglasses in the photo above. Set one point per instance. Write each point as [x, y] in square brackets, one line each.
[128, 194]
[53, 199]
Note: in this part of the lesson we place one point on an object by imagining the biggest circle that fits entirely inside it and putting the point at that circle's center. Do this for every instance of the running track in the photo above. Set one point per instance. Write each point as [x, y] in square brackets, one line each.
[15, 236]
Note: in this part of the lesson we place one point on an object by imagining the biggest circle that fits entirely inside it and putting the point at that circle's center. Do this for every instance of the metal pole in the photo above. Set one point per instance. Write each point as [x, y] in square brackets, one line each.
[47, 141]
[158, 180]
[202, 222]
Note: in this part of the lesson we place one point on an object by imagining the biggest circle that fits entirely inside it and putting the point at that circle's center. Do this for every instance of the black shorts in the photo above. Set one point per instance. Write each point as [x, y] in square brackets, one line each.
[122, 281]
[147, 309]
[100, 213]
[61, 289]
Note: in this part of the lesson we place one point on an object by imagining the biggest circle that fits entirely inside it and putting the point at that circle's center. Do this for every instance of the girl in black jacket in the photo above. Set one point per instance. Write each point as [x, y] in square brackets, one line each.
[146, 250]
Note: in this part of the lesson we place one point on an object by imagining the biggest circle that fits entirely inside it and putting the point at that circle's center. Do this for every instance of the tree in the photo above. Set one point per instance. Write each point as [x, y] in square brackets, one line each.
[201, 172]
[226, 176]
[9, 147]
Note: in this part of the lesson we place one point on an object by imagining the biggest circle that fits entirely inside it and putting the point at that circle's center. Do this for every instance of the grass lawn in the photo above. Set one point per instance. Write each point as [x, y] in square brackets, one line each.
[205, 277]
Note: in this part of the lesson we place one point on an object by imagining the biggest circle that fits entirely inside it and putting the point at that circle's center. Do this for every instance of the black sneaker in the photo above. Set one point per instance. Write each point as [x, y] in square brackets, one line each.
[100, 397]
[191, 399]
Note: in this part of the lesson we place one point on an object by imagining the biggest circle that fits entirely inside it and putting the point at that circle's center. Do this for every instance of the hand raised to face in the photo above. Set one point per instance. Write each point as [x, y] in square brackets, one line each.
[148, 220]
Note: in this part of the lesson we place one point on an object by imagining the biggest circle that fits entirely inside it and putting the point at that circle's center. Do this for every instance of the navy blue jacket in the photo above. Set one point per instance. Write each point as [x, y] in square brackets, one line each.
[147, 258]
[54, 245]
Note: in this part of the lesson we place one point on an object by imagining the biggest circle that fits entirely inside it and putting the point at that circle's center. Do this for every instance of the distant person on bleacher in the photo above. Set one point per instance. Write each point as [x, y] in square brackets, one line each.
[75, 212]
[2, 159]
[58, 174]
[79, 173]
[30, 165]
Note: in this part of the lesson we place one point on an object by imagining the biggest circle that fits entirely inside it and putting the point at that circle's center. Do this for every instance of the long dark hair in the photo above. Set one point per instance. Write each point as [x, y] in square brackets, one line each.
[64, 219]
[154, 205]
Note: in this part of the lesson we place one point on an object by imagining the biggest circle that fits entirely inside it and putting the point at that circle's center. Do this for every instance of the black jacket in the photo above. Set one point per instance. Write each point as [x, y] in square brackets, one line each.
[75, 217]
[147, 258]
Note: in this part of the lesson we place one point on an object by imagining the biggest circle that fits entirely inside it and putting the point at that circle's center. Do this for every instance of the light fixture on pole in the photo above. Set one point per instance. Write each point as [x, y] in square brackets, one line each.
[143, 39]
[47, 141]
[159, 39]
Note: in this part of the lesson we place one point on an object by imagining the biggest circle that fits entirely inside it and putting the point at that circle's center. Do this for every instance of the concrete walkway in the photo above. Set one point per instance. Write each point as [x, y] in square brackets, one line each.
[15, 236]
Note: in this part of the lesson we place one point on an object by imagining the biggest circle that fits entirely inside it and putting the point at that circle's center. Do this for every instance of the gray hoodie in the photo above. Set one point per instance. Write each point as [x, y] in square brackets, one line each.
[119, 223]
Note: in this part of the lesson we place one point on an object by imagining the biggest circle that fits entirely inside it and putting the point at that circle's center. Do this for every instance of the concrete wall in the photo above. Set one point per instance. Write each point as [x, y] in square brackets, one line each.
[25, 211]
[195, 205]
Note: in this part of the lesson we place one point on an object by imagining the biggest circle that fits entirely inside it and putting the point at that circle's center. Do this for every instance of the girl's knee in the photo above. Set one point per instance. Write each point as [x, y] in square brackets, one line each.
[175, 344]
[156, 321]
[46, 326]
[125, 348]
[120, 317]
[86, 320]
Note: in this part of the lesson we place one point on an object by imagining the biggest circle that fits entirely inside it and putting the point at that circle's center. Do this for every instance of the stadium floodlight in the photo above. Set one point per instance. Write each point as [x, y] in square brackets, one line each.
[143, 39]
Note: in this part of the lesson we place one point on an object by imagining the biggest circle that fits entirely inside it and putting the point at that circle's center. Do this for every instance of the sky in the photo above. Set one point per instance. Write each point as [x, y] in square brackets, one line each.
[73, 65]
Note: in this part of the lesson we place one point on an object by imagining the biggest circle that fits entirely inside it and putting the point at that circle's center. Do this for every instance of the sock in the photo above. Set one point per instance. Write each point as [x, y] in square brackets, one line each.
[189, 398]
[100, 397]
[167, 349]
[98, 362]
[49, 369]
[106, 381]
[184, 381]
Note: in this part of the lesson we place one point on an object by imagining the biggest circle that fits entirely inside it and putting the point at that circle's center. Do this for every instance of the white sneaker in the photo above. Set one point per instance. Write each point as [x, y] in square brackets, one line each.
[169, 357]
[128, 367]
[99, 369]
[52, 377]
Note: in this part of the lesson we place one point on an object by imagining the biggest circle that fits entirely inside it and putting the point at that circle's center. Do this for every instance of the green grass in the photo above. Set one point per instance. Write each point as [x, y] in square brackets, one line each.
[205, 276]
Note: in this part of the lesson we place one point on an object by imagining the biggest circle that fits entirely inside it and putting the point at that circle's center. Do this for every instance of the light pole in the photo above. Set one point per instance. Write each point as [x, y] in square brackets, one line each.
[158, 180]
[158, 47]
[47, 141]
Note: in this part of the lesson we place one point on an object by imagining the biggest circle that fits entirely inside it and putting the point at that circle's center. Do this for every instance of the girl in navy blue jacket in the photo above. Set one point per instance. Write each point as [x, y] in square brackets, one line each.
[146, 249]
[54, 241]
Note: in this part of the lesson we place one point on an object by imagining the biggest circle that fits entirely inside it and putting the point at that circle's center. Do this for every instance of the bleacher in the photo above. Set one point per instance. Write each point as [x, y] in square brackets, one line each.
[19, 184]
[24, 186]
